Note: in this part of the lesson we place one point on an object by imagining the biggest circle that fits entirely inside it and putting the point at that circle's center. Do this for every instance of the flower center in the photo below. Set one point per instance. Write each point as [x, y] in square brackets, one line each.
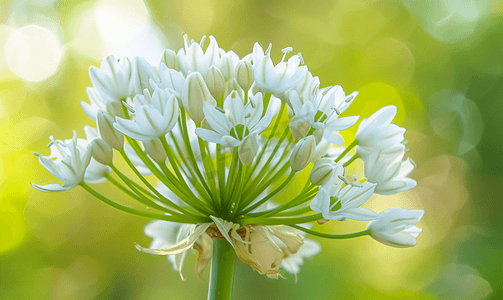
[239, 132]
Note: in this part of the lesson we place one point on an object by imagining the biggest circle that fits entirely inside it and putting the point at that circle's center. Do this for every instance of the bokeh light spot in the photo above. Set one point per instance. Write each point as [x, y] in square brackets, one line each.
[118, 23]
[33, 53]
[456, 119]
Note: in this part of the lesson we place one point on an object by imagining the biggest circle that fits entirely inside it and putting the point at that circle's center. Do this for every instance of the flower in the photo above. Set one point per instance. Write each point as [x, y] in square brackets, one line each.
[67, 162]
[237, 125]
[156, 116]
[387, 170]
[192, 58]
[279, 78]
[340, 205]
[378, 132]
[303, 153]
[323, 171]
[225, 137]
[395, 227]
[322, 112]
[112, 78]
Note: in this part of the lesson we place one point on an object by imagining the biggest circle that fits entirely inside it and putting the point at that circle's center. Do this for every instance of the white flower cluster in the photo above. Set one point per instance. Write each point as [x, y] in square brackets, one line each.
[211, 127]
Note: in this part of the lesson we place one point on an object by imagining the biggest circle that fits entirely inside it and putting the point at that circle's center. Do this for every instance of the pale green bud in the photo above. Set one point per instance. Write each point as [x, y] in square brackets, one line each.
[244, 74]
[195, 92]
[324, 169]
[102, 152]
[170, 60]
[215, 82]
[107, 131]
[302, 153]
[299, 127]
[155, 149]
[248, 149]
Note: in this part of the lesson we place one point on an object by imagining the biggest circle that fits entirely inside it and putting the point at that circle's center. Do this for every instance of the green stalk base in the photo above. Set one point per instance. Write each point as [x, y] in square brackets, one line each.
[222, 270]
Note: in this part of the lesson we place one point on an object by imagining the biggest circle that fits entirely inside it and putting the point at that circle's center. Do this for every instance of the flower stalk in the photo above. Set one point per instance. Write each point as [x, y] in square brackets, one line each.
[222, 270]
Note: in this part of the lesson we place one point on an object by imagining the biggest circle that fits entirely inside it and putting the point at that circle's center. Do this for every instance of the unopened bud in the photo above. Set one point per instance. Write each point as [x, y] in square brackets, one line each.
[108, 133]
[195, 92]
[155, 150]
[299, 127]
[170, 60]
[215, 82]
[324, 169]
[302, 153]
[248, 149]
[102, 152]
[244, 74]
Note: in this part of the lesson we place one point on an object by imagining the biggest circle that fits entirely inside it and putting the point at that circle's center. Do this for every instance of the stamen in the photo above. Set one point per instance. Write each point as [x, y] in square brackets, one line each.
[336, 110]
[268, 51]
[413, 163]
[349, 99]
[220, 109]
[357, 184]
[300, 58]
[285, 51]
[129, 107]
[201, 43]
[353, 177]
[405, 142]
[185, 41]
[344, 179]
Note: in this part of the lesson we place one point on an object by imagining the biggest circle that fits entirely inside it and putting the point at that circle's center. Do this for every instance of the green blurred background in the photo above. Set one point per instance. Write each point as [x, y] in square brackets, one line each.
[440, 62]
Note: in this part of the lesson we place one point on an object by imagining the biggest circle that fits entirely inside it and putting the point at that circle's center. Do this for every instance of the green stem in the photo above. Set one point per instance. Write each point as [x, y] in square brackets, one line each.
[222, 270]
[351, 146]
[280, 221]
[187, 219]
[332, 236]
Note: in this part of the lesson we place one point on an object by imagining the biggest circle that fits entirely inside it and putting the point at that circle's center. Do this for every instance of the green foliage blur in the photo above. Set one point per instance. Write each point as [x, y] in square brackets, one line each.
[440, 62]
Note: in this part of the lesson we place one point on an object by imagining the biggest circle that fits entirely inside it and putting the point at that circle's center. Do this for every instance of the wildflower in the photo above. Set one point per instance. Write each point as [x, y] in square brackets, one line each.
[225, 136]
[396, 227]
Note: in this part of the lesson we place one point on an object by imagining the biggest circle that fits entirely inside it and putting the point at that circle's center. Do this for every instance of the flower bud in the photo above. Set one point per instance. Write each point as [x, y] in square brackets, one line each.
[108, 133]
[195, 92]
[102, 152]
[244, 74]
[302, 153]
[299, 127]
[324, 169]
[170, 60]
[215, 82]
[248, 149]
[155, 150]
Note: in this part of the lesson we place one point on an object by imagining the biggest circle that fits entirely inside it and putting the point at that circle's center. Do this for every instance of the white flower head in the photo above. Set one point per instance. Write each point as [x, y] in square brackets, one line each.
[102, 155]
[192, 58]
[113, 78]
[323, 111]
[341, 204]
[396, 227]
[378, 132]
[387, 170]
[155, 116]
[279, 78]
[232, 125]
[67, 162]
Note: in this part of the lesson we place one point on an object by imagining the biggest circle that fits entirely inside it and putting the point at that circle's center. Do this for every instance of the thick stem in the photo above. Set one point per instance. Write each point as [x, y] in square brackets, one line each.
[222, 270]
